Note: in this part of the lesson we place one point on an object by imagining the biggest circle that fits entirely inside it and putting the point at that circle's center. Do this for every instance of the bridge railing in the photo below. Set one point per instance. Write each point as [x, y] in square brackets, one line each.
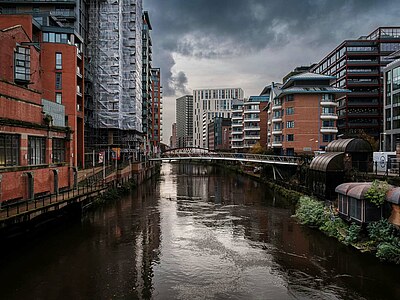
[234, 156]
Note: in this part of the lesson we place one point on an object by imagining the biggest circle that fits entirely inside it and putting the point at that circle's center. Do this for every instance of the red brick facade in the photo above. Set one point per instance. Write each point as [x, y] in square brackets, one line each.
[28, 165]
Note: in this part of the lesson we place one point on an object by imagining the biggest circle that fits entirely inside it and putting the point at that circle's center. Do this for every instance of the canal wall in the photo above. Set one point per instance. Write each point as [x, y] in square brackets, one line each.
[29, 216]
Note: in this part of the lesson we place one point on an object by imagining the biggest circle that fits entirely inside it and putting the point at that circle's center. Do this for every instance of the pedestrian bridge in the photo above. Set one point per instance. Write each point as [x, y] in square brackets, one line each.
[182, 154]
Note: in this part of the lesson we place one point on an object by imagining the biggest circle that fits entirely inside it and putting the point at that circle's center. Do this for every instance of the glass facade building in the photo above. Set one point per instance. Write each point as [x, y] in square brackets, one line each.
[358, 65]
[391, 130]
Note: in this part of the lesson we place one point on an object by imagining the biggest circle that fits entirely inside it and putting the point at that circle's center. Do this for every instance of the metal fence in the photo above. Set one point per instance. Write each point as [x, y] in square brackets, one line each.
[15, 208]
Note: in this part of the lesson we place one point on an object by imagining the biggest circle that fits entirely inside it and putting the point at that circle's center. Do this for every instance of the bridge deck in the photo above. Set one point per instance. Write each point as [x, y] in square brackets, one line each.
[243, 157]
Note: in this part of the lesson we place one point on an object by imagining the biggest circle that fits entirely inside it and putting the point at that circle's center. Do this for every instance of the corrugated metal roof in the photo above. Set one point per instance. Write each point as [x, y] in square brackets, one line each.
[349, 145]
[358, 191]
[345, 187]
[328, 162]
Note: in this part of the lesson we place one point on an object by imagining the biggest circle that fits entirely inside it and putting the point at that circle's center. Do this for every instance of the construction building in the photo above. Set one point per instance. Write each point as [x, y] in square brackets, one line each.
[115, 72]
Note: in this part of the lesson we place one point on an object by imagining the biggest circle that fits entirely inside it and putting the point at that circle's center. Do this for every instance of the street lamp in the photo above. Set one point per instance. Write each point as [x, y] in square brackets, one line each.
[381, 140]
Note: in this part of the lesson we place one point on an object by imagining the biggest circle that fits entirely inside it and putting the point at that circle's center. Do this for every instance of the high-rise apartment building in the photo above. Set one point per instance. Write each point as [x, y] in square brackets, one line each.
[184, 121]
[208, 104]
[219, 134]
[357, 65]
[172, 140]
[146, 77]
[71, 13]
[302, 114]
[391, 131]
[237, 124]
[251, 120]
[156, 110]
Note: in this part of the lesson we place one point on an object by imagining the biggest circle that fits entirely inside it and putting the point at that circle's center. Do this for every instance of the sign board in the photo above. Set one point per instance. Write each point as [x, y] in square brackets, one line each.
[115, 153]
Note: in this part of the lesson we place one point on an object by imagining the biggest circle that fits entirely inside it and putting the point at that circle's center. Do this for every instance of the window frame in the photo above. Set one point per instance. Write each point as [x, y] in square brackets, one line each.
[36, 150]
[289, 124]
[58, 81]
[58, 150]
[10, 145]
[22, 64]
[58, 98]
[58, 61]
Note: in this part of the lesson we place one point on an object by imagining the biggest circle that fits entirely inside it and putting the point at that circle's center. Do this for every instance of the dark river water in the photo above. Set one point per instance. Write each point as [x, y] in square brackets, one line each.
[194, 233]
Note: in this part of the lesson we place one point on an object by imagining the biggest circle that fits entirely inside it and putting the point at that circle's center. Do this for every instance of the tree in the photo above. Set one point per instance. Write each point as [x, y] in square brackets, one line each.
[256, 149]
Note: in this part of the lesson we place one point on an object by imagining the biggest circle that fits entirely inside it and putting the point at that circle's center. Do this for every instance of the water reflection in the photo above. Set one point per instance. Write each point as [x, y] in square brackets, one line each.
[196, 233]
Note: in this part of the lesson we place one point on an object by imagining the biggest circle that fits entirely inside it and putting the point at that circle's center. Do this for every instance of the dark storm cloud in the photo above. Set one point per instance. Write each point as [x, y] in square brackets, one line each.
[228, 28]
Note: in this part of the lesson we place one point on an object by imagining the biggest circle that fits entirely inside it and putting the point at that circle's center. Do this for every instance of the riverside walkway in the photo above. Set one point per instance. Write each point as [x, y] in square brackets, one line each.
[89, 185]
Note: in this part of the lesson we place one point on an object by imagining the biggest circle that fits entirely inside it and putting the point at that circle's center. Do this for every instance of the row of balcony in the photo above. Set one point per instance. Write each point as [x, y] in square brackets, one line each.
[322, 130]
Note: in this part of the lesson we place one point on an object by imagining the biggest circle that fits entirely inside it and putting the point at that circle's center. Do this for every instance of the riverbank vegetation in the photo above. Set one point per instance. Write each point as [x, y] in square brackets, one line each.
[381, 237]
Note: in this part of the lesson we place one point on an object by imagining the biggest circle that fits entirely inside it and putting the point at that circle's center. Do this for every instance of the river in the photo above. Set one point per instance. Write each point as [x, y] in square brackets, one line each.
[196, 232]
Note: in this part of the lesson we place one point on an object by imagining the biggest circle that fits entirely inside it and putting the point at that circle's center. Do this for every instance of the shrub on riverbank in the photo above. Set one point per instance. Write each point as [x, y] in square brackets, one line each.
[381, 237]
[386, 238]
[314, 213]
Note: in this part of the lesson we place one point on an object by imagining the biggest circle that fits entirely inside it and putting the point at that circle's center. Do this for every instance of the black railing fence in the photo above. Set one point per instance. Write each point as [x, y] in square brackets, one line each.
[83, 189]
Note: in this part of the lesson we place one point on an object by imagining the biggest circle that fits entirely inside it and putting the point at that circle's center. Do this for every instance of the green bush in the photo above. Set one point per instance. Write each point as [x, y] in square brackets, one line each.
[353, 234]
[334, 226]
[386, 237]
[388, 252]
[376, 194]
[310, 211]
[382, 231]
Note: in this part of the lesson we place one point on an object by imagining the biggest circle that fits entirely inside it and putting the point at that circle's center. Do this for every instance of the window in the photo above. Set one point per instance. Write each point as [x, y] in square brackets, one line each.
[58, 150]
[290, 110]
[36, 150]
[329, 123]
[22, 64]
[290, 124]
[58, 81]
[289, 98]
[9, 150]
[290, 137]
[59, 98]
[58, 61]
[355, 208]
[343, 202]
[328, 138]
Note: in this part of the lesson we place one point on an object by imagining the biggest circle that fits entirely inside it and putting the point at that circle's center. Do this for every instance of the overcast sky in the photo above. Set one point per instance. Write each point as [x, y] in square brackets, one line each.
[250, 43]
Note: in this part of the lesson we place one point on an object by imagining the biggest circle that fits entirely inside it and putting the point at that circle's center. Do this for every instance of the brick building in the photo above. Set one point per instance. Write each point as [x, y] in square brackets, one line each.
[38, 151]
[302, 114]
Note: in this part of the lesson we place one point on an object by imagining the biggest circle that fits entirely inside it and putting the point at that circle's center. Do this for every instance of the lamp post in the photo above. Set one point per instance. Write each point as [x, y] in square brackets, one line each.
[381, 141]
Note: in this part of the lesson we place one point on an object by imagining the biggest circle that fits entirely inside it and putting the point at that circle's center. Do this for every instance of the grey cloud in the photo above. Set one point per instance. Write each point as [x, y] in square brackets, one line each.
[230, 28]
[179, 82]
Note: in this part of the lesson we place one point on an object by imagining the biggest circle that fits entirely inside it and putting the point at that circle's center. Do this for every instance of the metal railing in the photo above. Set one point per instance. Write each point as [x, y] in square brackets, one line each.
[12, 209]
[223, 156]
